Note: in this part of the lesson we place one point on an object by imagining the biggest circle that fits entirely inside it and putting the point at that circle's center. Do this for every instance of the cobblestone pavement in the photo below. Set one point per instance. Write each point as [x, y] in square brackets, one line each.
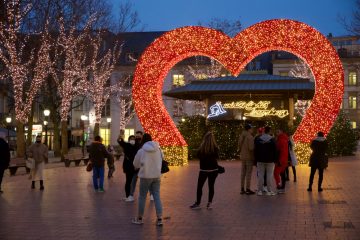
[70, 209]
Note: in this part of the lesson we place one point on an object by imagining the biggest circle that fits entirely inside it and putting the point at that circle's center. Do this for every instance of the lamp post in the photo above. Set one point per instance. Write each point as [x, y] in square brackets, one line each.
[46, 114]
[8, 121]
[108, 120]
[83, 119]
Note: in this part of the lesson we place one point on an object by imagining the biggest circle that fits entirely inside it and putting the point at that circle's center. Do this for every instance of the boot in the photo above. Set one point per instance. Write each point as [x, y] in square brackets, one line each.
[320, 189]
[309, 188]
[33, 185]
[41, 185]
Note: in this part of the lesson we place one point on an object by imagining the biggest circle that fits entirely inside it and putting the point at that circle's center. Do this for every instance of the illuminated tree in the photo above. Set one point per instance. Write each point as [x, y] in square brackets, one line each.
[27, 70]
[100, 71]
[70, 70]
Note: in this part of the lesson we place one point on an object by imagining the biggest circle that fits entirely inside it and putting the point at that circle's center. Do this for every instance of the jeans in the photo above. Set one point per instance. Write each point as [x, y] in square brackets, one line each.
[133, 183]
[98, 177]
[267, 168]
[129, 178]
[211, 182]
[151, 185]
[246, 170]
[312, 174]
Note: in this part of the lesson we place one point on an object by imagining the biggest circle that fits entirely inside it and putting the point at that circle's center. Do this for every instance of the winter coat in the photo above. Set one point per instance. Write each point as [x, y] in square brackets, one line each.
[4, 154]
[149, 160]
[38, 151]
[208, 161]
[319, 158]
[129, 155]
[246, 146]
[282, 146]
[265, 149]
[98, 153]
[292, 156]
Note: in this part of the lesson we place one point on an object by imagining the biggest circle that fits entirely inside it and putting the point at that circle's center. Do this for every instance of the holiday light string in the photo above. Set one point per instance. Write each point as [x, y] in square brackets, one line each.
[279, 34]
[23, 70]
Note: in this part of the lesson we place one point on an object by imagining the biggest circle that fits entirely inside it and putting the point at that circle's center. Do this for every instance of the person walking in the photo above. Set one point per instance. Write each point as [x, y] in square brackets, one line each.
[39, 152]
[4, 157]
[246, 147]
[97, 155]
[208, 154]
[130, 149]
[148, 160]
[318, 159]
[292, 160]
[265, 156]
[111, 161]
[282, 145]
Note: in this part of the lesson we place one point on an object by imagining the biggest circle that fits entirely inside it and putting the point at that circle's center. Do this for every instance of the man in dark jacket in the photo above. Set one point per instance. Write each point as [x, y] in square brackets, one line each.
[4, 157]
[265, 156]
[318, 159]
[97, 155]
[130, 149]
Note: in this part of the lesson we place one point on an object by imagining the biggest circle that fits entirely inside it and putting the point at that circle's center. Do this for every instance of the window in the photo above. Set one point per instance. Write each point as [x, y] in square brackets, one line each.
[352, 78]
[105, 135]
[78, 105]
[284, 73]
[178, 80]
[353, 124]
[352, 102]
[348, 42]
[178, 108]
[129, 132]
[106, 109]
[201, 76]
[257, 65]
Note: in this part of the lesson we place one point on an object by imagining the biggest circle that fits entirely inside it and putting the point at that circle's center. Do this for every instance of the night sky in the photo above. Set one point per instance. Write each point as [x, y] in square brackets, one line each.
[160, 15]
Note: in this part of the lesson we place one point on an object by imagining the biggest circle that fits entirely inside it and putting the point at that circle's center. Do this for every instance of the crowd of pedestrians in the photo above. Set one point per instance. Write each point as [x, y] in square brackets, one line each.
[271, 154]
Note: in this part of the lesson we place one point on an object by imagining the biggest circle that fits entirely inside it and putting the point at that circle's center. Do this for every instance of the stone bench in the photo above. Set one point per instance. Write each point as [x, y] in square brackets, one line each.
[75, 155]
[16, 163]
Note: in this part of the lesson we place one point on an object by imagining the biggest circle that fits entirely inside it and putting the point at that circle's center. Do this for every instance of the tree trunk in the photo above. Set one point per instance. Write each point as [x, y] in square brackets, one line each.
[56, 146]
[30, 124]
[20, 139]
[64, 139]
[97, 129]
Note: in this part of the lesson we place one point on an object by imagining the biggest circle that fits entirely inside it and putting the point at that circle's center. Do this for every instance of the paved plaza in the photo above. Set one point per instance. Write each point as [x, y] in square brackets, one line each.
[70, 209]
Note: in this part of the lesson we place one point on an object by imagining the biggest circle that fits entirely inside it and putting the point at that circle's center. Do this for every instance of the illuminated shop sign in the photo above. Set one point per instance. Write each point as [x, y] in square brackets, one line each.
[251, 109]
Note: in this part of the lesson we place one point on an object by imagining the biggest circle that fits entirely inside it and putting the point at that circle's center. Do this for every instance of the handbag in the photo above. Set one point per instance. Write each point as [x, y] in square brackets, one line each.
[221, 169]
[164, 166]
[30, 163]
[89, 167]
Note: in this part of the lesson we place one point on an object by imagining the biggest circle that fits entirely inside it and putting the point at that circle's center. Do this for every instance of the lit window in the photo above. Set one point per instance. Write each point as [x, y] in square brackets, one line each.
[129, 132]
[178, 80]
[105, 135]
[352, 78]
[284, 73]
[353, 124]
[352, 102]
[201, 76]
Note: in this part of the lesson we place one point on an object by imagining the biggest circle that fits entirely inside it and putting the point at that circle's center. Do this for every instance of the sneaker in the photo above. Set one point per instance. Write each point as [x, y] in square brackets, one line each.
[195, 206]
[271, 193]
[209, 206]
[265, 189]
[151, 198]
[137, 221]
[129, 199]
[259, 193]
[96, 190]
[159, 222]
[320, 189]
[281, 191]
[249, 192]
[309, 189]
[101, 190]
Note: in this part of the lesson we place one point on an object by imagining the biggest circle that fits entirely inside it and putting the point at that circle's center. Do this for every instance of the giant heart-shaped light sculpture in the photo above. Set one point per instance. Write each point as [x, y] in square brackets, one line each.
[234, 54]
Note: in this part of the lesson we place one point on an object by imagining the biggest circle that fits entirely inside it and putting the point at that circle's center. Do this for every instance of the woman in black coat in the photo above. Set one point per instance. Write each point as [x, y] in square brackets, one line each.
[318, 159]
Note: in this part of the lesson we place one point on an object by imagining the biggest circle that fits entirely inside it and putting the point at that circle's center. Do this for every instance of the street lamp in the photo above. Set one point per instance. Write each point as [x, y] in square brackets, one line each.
[109, 122]
[46, 114]
[8, 121]
[83, 119]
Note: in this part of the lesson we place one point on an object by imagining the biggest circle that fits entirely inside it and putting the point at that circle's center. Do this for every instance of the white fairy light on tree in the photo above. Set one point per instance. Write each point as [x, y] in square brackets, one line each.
[26, 69]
